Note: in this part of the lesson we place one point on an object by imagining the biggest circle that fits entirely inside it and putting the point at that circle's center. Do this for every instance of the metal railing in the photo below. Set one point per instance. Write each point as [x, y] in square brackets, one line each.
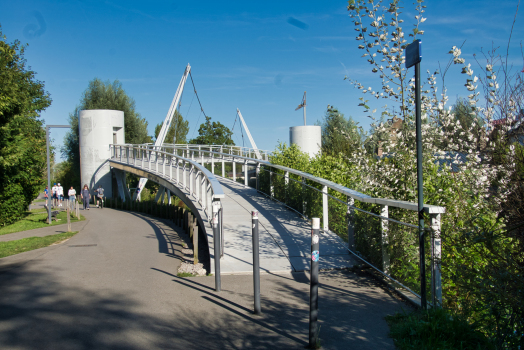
[285, 184]
[200, 184]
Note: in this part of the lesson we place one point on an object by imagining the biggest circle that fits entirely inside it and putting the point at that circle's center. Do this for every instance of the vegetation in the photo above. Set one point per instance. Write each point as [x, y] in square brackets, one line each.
[26, 244]
[435, 329]
[340, 135]
[472, 164]
[213, 133]
[177, 131]
[100, 95]
[22, 137]
[36, 219]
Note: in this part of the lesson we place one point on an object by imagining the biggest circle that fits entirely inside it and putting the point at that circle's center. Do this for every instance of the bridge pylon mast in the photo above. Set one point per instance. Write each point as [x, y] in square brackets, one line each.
[169, 118]
[249, 135]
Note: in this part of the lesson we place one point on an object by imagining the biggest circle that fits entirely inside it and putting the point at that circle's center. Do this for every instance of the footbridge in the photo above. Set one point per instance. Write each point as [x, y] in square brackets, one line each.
[223, 184]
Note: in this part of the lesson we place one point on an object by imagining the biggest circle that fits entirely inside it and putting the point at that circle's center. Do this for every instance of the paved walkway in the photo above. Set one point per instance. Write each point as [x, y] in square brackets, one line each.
[285, 237]
[114, 286]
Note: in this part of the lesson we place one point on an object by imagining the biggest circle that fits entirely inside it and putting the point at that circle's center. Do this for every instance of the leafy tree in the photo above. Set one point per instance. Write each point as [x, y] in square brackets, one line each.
[213, 133]
[100, 95]
[340, 135]
[22, 137]
[178, 129]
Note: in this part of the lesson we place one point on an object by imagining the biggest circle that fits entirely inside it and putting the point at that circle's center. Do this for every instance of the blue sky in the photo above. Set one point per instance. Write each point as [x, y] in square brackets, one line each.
[243, 55]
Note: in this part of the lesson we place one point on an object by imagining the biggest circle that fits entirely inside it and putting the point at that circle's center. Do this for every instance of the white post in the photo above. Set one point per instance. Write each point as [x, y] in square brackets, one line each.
[234, 169]
[223, 165]
[436, 252]
[191, 174]
[245, 173]
[325, 209]
[212, 162]
[385, 238]
[258, 176]
[351, 223]
[286, 182]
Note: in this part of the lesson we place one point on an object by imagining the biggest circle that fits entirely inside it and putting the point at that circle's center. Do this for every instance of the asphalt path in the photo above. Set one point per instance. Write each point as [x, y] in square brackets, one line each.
[114, 286]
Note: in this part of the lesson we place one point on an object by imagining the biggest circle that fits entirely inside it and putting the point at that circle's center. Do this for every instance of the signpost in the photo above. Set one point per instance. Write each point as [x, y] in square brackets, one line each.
[413, 58]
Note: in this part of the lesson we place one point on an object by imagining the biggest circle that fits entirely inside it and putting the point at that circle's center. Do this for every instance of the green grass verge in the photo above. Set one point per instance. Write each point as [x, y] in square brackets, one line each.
[185, 274]
[434, 329]
[36, 219]
[31, 243]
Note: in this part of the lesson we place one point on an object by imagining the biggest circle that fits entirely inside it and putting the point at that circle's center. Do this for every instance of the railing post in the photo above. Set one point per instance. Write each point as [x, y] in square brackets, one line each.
[286, 184]
[171, 168]
[177, 171]
[212, 161]
[258, 176]
[127, 154]
[271, 184]
[234, 168]
[150, 161]
[184, 174]
[191, 174]
[223, 161]
[304, 203]
[245, 173]
[325, 209]
[436, 256]
[351, 223]
[164, 164]
[385, 238]
[216, 243]
[120, 149]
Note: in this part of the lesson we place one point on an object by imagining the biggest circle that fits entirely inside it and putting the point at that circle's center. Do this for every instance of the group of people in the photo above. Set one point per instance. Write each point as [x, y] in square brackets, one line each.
[57, 196]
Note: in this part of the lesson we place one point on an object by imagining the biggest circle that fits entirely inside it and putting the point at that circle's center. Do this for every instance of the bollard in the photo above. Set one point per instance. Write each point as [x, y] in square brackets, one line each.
[313, 288]
[68, 218]
[256, 262]
[216, 244]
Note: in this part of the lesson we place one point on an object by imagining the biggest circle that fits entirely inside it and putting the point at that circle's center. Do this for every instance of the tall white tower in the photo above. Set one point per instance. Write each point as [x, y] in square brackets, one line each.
[98, 128]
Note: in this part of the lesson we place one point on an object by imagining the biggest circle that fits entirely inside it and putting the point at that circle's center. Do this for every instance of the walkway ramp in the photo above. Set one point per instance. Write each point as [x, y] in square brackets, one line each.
[285, 237]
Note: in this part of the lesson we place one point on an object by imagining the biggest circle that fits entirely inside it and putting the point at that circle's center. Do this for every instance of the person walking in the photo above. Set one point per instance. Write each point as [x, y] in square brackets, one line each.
[54, 195]
[46, 195]
[100, 197]
[60, 195]
[86, 196]
[72, 197]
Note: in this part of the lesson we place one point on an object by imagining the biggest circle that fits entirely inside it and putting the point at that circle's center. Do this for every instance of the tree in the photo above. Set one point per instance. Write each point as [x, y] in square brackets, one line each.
[340, 135]
[22, 137]
[100, 95]
[178, 130]
[213, 133]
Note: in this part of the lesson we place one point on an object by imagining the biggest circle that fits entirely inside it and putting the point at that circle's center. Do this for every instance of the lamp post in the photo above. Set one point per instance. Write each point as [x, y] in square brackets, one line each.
[48, 168]
[413, 58]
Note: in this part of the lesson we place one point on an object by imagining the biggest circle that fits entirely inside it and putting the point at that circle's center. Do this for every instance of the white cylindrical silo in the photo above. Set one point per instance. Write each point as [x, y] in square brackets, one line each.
[98, 128]
[307, 137]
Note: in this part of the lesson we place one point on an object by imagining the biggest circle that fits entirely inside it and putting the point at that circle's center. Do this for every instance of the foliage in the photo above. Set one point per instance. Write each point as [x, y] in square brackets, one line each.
[22, 137]
[435, 329]
[100, 95]
[213, 133]
[340, 135]
[177, 131]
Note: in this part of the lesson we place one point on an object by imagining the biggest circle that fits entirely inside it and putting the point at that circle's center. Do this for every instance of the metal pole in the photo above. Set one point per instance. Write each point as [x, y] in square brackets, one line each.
[313, 288]
[216, 244]
[420, 190]
[256, 261]
[49, 195]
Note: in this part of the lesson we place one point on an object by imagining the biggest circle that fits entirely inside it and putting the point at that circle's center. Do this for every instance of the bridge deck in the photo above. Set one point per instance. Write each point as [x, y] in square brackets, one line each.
[285, 237]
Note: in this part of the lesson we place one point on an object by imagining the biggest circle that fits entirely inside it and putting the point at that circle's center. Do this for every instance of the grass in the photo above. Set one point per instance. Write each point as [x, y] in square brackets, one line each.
[434, 329]
[185, 274]
[36, 219]
[31, 243]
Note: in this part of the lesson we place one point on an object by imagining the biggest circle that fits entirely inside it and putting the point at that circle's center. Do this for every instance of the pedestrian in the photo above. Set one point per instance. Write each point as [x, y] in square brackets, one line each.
[60, 194]
[72, 197]
[100, 197]
[86, 196]
[54, 195]
[46, 195]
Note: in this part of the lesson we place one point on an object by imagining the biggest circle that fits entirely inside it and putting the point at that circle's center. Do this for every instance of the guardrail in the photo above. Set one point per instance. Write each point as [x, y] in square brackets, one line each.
[302, 193]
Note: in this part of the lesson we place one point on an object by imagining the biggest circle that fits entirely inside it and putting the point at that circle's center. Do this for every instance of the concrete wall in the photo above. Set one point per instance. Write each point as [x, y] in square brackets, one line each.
[98, 128]
[307, 137]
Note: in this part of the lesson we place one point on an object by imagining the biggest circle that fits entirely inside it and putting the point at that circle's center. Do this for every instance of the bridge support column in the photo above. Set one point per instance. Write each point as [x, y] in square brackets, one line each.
[120, 177]
[169, 197]
[384, 228]
[351, 223]
[325, 209]
[436, 251]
